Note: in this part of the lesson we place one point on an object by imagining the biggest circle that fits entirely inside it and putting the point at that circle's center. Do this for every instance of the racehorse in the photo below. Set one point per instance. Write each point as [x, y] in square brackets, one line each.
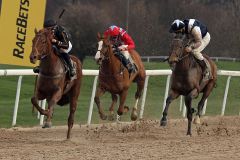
[53, 83]
[187, 80]
[114, 78]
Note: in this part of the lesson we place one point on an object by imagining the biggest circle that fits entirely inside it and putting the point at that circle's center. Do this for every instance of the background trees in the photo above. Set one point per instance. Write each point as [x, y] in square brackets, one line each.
[148, 22]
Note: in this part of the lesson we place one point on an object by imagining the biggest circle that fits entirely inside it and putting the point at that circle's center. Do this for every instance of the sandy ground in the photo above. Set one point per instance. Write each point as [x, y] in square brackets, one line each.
[216, 138]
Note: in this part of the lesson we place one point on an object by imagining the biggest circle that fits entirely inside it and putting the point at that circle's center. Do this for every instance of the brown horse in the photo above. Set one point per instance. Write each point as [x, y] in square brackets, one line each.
[114, 78]
[53, 83]
[187, 80]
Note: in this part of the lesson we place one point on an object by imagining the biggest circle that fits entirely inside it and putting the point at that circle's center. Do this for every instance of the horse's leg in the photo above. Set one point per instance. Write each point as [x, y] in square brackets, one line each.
[172, 95]
[188, 103]
[34, 101]
[123, 96]
[51, 102]
[99, 93]
[72, 108]
[111, 113]
[140, 86]
[190, 110]
[206, 92]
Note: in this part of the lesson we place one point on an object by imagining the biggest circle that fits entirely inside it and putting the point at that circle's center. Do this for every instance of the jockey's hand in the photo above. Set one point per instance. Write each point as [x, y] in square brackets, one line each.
[122, 48]
[188, 49]
[54, 40]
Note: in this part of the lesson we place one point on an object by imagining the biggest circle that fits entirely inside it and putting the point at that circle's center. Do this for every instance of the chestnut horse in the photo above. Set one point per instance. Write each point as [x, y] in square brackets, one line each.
[114, 78]
[187, 80]
[53, 83]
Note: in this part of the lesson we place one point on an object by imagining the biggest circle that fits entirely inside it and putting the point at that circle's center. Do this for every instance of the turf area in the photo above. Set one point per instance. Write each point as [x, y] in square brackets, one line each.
[153, 106]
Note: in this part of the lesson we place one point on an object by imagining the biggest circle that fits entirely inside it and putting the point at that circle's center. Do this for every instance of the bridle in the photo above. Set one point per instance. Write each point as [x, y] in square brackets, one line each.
[43, 55]
[181, 56]
[104, 56]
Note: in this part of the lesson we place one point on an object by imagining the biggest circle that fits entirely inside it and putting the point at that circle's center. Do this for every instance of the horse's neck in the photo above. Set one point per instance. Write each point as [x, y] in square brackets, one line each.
[51, 64]
[186, 63]
[112, 65]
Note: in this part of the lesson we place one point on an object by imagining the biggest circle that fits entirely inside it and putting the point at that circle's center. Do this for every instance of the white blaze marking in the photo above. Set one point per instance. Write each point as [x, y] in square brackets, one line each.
[97, 56]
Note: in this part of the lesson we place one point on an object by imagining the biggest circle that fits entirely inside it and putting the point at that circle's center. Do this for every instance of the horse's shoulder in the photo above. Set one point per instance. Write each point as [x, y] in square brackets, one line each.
[134, 54]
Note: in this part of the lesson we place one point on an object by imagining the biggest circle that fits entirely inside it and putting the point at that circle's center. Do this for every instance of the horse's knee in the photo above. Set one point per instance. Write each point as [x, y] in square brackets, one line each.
[96, 100]
[138, 94]
[33, 100]
[169, 100]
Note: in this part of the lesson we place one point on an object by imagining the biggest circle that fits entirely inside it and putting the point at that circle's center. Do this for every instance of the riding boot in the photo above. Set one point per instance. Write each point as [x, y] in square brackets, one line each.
[131, 67]
[205, 71]
[67, 59]
[36, 69]
[126, 62]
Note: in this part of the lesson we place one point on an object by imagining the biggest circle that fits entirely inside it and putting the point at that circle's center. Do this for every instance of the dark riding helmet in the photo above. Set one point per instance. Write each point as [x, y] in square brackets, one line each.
[176, 26]
[49, 23]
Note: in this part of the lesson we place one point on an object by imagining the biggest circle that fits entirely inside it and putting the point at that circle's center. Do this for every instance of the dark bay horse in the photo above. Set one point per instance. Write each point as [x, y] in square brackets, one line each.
[114, 78]
[53, 83]
[187, 80]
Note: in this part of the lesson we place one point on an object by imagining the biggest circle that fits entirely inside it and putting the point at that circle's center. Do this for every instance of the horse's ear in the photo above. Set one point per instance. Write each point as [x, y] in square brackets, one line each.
[107, 37]
[98, 36]
[35, 30]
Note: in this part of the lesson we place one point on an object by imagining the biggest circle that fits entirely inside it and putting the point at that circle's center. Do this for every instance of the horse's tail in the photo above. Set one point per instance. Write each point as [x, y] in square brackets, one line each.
[64, 100]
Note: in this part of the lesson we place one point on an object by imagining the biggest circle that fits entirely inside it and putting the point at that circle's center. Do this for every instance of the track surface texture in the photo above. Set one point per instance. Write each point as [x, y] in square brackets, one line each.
[215, 138]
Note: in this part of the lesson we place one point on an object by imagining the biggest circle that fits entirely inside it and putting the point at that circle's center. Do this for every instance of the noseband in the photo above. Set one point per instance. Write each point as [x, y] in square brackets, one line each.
[181, 56]
[35, 46]
[104, 55]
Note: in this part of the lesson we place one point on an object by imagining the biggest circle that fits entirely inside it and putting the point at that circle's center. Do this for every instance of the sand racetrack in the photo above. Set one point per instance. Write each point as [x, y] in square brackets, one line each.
[216, 138]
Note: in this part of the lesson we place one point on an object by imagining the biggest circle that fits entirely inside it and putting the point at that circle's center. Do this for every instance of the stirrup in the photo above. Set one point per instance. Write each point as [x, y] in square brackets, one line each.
[207, 75]
[36, 69]
[131, 68]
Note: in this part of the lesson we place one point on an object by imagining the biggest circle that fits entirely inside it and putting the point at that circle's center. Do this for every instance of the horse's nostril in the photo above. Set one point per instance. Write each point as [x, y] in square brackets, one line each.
[34, 57]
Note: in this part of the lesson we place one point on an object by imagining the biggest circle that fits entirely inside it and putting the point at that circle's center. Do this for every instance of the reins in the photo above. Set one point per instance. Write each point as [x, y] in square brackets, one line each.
[44, 56]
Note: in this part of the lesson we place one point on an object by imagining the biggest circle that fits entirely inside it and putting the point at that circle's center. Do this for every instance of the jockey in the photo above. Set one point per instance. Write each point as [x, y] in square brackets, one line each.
[198, 33]
[122, 44]
[61, 42]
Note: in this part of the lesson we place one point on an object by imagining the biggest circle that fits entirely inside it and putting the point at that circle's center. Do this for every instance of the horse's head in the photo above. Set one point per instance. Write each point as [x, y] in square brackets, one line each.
[41, 44]
[103, 49]
[177, 50]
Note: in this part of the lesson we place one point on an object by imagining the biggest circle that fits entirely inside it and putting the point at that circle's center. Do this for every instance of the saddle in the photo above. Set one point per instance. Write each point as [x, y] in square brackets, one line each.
[67, 69]
[207, 74]
[65, 64]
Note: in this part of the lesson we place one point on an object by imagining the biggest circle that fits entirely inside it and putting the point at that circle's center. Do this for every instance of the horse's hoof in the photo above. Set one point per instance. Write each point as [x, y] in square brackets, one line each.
[134, 115]
[111, 117]
[189, 134]
[47, 125]
[103, 116]
[163, 123]
[196, 120]
[118, 118]
[126, 109]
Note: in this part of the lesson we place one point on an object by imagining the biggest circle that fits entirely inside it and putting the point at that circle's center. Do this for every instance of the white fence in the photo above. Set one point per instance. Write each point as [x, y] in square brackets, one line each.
[24, 72]
[160, 58]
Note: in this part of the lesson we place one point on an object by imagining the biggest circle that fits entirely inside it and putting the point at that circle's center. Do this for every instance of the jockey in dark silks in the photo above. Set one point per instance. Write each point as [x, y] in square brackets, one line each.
[61, 43]
[198, 33]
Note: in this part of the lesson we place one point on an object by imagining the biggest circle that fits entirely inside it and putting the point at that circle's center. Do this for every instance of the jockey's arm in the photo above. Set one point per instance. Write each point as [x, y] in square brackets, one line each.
[196, 33]
[64, 43]
[128, 41]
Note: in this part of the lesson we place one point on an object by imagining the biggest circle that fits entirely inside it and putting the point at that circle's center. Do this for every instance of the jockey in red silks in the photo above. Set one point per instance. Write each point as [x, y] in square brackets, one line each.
[122, 44]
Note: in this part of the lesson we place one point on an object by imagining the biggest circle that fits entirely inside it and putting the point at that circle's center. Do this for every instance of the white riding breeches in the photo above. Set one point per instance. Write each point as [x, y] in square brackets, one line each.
[204, 42]
[68, 49]
[126, 54]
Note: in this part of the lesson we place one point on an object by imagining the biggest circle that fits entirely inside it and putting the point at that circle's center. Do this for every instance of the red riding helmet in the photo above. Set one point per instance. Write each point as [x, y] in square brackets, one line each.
[113, 31]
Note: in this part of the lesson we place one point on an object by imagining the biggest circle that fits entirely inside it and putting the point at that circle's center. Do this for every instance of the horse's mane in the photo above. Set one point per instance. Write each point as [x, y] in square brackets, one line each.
[189, 61]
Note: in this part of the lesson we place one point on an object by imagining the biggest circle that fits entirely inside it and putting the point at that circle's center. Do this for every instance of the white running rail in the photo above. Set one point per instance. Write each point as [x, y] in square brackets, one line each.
[25, 72]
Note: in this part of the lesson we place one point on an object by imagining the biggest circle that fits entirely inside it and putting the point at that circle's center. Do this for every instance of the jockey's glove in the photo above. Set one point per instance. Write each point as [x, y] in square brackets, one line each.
[123, 48]
[188, 49]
